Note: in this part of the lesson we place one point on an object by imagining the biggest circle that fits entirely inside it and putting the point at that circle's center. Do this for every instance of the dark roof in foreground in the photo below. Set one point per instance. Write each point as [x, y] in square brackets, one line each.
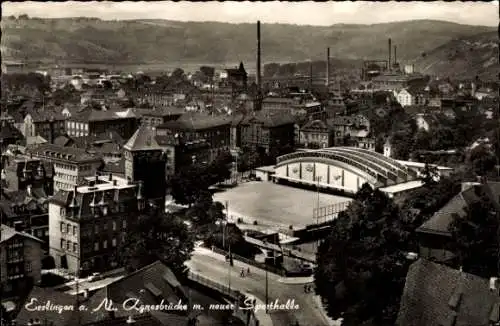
[197, 121]
[436, 295]
[43, 296]
[457, 206]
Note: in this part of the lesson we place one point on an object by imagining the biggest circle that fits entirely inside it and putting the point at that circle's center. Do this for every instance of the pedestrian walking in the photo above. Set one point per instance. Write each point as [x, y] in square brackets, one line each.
[242, 274]
[248, 270]
[305, 288]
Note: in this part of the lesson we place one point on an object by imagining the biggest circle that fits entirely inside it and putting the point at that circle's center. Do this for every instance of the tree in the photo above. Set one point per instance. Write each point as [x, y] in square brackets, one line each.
[483, 160]
[220, 168]
[157, 236]
[475, 238]
[209, 72]
[205, 210]
[429, 174]
[229, 235]
[187, 184]
[178, 75]
[249, 159]
[361, 264]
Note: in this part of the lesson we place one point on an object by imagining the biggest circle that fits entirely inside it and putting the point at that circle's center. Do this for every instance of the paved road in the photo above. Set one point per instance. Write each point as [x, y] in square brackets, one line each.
[214, 266]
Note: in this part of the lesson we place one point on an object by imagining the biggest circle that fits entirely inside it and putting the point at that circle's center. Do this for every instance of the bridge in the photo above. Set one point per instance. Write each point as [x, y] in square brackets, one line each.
[342, 168]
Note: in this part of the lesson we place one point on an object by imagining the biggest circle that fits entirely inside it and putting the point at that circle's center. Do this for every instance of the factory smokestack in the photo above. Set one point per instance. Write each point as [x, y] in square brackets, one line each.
[395, 54]
[258, 55]
[389, 62]
[327, 67]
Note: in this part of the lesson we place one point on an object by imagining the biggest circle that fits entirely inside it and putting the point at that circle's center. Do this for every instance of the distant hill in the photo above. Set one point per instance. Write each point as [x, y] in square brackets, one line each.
[464, 58]
[91, 40]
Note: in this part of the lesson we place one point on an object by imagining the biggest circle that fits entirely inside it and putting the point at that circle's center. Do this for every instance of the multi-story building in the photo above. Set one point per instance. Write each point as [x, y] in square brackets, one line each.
[20, 261]
[393, 82]
[47, 124]
[237, 78]
[272, 133]
[20, 171]
[156, 117]
[88, 225]
[156, 99]
[26, 185]
[94, 122]
[316, 134]
[199, 128]
[145, 161]
[177, 153]
[70, 165]
[8, 135]
[350, 129]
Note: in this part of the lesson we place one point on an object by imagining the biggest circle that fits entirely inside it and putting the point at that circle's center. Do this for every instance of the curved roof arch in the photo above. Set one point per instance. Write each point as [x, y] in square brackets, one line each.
[376, 165]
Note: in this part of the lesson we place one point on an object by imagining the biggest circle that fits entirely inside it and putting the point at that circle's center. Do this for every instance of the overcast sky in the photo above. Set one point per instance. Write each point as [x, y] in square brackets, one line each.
[302, 13]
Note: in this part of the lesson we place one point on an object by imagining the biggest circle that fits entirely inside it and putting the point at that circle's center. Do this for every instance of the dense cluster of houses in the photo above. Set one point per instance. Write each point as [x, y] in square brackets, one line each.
[81, 158]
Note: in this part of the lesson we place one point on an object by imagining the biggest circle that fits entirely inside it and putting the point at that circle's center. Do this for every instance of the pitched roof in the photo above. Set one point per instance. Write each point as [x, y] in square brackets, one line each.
[45, 296]
[436, 295]
[46, 114]
[151, 284]
[197, 121]
[315, 124]
[62, 141]
[270, 120]
[35, 140]
[441, 220]
[143, 140]
[8, 233]
[159, 112]
[63, 153]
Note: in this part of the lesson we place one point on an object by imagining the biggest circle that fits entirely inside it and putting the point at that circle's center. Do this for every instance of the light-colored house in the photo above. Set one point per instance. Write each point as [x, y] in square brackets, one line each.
[410, 97]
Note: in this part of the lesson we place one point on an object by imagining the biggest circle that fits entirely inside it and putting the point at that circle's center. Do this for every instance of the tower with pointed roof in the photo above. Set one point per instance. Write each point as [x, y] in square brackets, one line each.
[145, 162]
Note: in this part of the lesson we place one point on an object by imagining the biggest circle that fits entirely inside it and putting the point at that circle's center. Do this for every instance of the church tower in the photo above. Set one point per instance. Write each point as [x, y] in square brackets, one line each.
[145, 162]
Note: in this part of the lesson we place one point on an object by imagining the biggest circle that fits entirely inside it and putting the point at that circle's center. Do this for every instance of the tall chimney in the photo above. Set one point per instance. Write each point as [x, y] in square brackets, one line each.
[327, 67]
[395, 54]
[259, 86]
[389, 62]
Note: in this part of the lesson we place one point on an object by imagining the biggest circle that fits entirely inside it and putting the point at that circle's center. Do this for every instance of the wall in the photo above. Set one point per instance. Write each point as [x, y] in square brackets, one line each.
[329, 174]
[33, 255]
[3, 263]
[55, 233]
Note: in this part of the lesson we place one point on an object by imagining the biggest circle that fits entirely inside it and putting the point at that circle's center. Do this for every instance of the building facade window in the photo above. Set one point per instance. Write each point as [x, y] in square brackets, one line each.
[105, 244]
[96, 246]
[62, 227]
[74, 230]
[63, 244]
[113, 242]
